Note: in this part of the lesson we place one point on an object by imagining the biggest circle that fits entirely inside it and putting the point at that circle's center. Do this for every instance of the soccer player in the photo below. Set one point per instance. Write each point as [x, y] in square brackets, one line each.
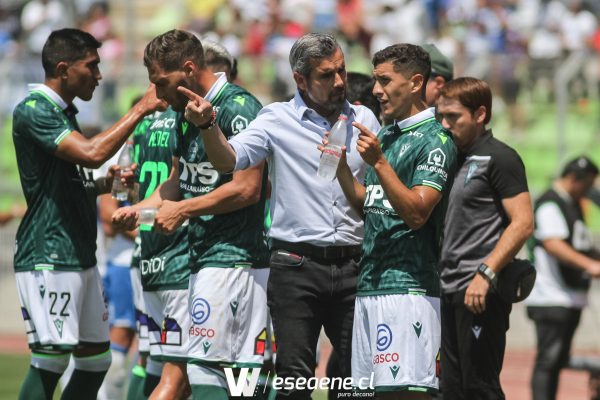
[489, 219]
[164, 263]
[316, 235]
[57, 281]
[227, 286]
[403, 201]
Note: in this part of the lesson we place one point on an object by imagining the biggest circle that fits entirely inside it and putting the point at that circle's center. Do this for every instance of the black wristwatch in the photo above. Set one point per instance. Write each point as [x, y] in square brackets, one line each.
[487, 273]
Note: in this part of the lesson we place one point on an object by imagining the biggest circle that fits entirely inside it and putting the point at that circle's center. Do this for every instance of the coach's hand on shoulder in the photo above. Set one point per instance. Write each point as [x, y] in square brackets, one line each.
[368, 146]
[169, 217]
[125, 218]
[476, 293]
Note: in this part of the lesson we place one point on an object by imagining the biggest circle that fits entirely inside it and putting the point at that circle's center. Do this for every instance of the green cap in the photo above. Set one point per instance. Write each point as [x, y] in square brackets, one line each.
[440, 64]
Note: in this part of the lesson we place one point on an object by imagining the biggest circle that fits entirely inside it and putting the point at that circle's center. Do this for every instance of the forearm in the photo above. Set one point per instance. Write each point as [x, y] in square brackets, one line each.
[566, 254]
[103, 185]
[353, 190]
[409, 205]
[220, 153]
[104, 145]
[509, 244]
[168, 190]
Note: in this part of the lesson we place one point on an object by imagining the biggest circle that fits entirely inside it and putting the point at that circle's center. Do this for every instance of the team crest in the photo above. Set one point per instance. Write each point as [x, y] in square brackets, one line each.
[58, 324]
[470, 172]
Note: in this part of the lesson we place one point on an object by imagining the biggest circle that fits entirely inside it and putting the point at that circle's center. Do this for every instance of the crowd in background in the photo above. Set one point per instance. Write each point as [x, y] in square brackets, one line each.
[509, 43]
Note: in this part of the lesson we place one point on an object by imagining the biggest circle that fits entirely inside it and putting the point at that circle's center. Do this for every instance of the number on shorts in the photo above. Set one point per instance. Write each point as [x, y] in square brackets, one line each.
[63, 296]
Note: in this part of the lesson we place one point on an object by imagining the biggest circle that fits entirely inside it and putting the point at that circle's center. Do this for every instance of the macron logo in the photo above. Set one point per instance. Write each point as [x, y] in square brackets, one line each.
[244, 386]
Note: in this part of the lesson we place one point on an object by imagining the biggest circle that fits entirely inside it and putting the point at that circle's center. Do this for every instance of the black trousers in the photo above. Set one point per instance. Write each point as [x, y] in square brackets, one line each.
[555, 328]
[473, 348]
[305, 294]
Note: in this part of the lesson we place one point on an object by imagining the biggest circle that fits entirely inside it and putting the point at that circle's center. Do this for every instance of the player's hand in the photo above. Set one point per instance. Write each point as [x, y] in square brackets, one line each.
[593, 269]
[197, 111]
[150, 103]
[127, 176]
[343, 160]
[169, 217]
[368, 145]
[476, 293]
[125, 218]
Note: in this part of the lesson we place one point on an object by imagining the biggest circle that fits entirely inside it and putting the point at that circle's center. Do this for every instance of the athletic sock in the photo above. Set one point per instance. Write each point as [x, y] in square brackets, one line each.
[153, 373]
[39, 384]
[150, 383]
[136, 384]
[87, 377]
[116, 377]
[207, 383]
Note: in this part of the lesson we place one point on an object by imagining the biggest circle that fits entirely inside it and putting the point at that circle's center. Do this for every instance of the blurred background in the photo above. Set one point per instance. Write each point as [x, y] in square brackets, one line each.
[541, 57]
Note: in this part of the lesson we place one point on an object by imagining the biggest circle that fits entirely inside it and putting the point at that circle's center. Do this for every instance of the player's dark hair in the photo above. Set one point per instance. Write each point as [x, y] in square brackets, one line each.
[66, 45]
[171, 49]
[581, 168]
[407, 59]
[359, 90]
[472, 93]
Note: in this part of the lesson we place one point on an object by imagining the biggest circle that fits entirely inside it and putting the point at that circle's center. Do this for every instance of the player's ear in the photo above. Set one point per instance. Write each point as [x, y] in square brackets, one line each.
[417, 83]
[61, 70]
[189, 68]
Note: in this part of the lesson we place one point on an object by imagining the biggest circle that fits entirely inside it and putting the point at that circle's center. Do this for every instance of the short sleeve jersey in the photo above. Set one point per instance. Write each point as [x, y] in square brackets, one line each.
[490, 172]
[224, 240]
[397, 259]
[58, 230]
[163, 258]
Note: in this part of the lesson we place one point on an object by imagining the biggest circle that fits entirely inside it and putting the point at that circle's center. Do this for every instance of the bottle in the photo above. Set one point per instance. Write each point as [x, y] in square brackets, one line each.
[333, 151]
[147, 216]
[119, 190]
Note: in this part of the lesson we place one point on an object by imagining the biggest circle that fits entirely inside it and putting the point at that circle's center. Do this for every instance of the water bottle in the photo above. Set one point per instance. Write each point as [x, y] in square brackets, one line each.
[147, 216]
[333, 151]
[119, 190]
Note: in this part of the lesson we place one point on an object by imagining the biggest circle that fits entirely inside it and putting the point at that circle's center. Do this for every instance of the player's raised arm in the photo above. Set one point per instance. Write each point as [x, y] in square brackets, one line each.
[93, 152]
[201, 113]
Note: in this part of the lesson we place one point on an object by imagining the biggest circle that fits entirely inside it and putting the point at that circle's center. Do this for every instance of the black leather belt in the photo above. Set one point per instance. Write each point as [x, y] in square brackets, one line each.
[324, 253]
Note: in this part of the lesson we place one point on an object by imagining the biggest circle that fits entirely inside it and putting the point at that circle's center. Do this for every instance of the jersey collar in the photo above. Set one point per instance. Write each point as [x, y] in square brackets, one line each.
[215, 90]
[52, 96]
[417, 119]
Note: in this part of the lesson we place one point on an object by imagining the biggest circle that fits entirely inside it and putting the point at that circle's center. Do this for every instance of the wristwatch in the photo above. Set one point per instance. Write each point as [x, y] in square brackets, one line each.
[487, 273]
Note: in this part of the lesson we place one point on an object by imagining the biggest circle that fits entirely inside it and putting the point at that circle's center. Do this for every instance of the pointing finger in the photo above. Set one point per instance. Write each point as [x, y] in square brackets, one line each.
[189, 94]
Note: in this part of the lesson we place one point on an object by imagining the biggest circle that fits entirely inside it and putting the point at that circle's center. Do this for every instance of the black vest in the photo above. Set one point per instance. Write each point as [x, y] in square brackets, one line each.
[574, 278]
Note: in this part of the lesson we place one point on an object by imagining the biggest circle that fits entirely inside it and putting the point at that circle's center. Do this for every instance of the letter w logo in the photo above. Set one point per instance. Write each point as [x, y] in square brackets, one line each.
[244, 386]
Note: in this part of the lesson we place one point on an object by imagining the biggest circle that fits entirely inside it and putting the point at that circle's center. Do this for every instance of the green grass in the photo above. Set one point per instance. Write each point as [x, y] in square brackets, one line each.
[12, 371]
